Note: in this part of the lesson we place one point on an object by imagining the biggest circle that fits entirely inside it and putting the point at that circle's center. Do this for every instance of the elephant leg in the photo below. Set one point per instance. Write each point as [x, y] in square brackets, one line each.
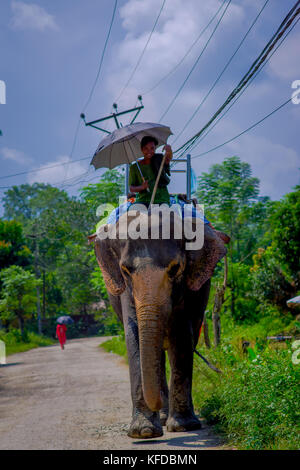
[181, 410]
[195, 305]
[145, 423]
[164, 412]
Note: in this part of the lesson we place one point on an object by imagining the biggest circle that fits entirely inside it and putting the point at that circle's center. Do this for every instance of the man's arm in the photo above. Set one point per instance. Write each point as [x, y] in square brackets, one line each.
[168, 153]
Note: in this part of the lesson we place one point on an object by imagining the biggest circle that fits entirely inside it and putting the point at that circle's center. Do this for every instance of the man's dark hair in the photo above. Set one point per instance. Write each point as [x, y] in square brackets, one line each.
[148, 138]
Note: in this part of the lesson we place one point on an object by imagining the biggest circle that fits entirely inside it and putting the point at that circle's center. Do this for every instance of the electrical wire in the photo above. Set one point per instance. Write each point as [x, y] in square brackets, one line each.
[195, 63]
[142, 54]
[43, 168]
[94, 85]
[102, 57]
[186, 54]
[253, 69]
[222, 72]
[244, 132]
[243, 91]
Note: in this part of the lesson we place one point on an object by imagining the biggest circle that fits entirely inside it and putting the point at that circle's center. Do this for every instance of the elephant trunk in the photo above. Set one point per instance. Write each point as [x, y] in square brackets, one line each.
[151, 342]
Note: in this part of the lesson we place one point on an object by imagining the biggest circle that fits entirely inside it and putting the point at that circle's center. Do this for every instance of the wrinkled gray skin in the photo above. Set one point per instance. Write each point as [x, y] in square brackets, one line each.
[160, 292]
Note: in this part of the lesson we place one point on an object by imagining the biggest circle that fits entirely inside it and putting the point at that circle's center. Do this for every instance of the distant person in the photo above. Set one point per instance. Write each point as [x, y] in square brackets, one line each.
[61, 335]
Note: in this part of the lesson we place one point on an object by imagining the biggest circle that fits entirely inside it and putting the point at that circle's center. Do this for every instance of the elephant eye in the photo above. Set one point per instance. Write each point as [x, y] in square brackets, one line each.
[174, 270]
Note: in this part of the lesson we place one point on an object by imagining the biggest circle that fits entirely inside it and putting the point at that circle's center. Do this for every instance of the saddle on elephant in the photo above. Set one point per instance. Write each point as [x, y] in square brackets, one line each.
[186, 209]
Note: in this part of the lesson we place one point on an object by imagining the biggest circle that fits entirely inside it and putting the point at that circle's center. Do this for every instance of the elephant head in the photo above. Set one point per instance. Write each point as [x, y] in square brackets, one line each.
[155, 271]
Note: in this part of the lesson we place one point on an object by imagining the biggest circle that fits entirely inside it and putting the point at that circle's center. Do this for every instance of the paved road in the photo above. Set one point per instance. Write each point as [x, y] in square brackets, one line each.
[78, 398]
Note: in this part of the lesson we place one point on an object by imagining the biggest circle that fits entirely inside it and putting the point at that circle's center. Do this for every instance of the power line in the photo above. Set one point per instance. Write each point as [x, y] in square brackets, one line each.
[224, 69]
[246, 130]
[243, 91]
[94, 85]
[102, 57]
[253, 69]
[142, 54]
[187, 53]
[195, 63]
[43, 168]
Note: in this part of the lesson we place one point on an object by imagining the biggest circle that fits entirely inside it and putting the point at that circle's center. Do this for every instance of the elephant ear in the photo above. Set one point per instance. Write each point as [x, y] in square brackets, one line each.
[201, 263]
[109, 264]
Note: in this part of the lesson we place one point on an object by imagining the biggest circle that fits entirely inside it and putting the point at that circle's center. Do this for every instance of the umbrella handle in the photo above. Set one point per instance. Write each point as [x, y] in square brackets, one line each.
[148, 190]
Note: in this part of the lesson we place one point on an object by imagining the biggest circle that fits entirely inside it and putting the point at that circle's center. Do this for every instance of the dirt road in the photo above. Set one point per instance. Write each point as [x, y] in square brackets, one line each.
[78, 398]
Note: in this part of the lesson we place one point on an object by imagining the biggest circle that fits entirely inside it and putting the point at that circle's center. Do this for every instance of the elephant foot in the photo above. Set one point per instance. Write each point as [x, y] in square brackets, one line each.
[143, 427]
[182, 423]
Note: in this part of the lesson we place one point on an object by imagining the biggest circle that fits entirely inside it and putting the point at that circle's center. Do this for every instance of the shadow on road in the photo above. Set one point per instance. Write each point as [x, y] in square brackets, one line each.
[11, 364]
[191, 441]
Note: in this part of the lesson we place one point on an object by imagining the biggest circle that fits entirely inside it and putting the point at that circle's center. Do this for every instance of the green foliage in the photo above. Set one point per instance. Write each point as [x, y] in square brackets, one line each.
[256, 402]
[111, 324]
[13, 249]
[270, 283]
[285, 228]
[16, 343]
[18, 295]
[107, 191]
[116, 345]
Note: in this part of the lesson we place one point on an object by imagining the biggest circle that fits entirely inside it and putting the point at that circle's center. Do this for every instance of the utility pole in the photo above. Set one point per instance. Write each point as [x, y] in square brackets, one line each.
[115, 115]
[38, 276]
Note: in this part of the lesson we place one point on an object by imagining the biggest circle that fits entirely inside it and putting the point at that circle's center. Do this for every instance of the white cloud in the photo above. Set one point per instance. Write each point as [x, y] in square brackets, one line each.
[58, 171]
[31, 16]
[178, 27]
[15, 155]
[285, 62]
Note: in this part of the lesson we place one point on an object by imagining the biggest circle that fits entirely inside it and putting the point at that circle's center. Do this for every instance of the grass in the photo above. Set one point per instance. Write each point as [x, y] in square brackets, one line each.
[116, 345]
[15, 343]
[254, 404]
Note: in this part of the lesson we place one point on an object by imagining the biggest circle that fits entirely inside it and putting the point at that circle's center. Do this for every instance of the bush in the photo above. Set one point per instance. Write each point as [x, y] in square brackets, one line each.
[256, 402]
[16, 343]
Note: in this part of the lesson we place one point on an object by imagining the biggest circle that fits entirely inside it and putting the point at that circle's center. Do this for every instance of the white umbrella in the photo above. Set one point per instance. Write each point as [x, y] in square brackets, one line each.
[294, 302]
[124, 145]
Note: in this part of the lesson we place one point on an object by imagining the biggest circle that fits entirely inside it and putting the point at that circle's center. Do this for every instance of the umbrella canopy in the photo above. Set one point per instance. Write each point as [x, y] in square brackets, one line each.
[124, 145]
[65, 320]
[294, 302]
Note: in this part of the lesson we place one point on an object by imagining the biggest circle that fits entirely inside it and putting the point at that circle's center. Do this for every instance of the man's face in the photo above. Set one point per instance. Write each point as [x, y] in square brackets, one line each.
[149, 150]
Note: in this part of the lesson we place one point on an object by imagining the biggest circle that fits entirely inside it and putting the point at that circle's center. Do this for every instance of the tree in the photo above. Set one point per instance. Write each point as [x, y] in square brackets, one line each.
[108, 190]
[285, 232]
[13, 249]
[18, 295]
[230, 195]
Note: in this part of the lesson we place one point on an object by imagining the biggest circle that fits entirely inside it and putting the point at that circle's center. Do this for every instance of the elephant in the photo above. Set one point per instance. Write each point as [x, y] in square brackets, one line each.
[159, 290]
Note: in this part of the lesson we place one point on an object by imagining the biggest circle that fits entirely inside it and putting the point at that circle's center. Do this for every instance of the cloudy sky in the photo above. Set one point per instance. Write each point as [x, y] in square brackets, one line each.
[50, 55]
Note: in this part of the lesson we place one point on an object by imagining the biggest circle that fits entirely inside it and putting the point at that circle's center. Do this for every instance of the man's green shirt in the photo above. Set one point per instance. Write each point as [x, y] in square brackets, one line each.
[135, 179]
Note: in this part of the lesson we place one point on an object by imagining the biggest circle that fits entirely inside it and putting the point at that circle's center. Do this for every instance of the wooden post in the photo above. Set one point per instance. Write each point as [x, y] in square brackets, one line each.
[205, 331]
[219, 300]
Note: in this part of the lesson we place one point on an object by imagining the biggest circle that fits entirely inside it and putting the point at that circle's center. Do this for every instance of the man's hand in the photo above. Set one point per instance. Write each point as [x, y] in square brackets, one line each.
[144, 185]
[169, 153]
